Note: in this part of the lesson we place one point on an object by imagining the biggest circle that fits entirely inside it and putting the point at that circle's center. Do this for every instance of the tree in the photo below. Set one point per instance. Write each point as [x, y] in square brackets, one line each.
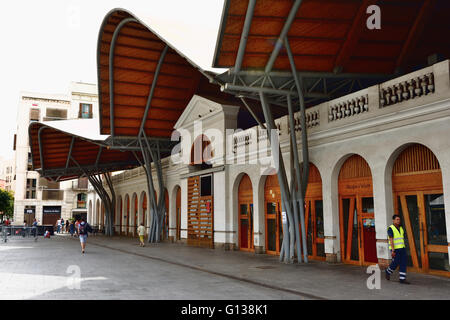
[6, 204]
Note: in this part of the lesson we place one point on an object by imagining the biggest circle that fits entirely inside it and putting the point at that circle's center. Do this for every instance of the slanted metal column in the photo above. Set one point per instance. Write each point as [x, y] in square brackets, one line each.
[244, 35]
[108, 201]
[287, 254]
[302, 182]
[111, 70]
[155, 208]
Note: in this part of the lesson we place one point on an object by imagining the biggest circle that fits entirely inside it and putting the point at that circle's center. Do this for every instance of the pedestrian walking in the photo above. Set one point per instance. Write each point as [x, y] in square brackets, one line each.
[141, 233]
[58, 226]
[62, 225]
[72, 228]
[67, 226]
[34, 225]
[396, 236]
[77, 223]
[83, 229]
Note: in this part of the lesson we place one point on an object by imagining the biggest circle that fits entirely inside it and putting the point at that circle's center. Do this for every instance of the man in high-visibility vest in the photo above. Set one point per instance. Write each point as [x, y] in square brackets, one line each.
[396, 236]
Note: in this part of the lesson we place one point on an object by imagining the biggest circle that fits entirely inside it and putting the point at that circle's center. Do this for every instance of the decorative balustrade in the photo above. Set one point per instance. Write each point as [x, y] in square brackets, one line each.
[241, 139]
[406, 90]
[348, 108]
[312, 120]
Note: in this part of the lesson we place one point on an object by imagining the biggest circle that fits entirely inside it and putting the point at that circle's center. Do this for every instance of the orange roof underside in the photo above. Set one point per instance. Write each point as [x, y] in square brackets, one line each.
[136, 57]
[328, 34]
[56, 146]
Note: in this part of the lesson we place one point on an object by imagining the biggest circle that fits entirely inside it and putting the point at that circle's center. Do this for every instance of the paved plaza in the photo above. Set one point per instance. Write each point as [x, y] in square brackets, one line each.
[117, 268]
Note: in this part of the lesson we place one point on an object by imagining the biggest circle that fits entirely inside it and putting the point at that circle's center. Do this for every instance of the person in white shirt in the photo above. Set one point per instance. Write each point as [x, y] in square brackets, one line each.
[141, 233]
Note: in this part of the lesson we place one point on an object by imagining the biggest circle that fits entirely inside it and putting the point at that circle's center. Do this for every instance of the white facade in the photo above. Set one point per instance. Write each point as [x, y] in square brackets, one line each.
[378, 132]
[47, 107]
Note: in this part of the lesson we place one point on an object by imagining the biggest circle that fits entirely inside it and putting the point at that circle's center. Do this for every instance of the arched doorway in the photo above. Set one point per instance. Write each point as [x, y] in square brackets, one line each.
[201, 152]
[245, 207]
[127, 215]
[97, 214]
[314, 215]
[357, 221]
[178, 213]
[272, 205]
[144, 209]
[135, 210]
[419, 200]
[91, 213]
[120, 210]
[102, 216]
[165, 229]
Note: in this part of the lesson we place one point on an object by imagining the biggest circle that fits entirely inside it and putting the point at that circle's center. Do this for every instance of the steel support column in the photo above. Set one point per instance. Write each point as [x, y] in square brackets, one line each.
[244, 35]
[108, 201]
[286, 254]
[302, 184]
[111, 70]
[283, 34]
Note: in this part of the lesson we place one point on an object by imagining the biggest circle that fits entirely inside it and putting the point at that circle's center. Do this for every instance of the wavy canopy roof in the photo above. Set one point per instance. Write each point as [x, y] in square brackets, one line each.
[143, 69]
[52, 146]
[331, 35]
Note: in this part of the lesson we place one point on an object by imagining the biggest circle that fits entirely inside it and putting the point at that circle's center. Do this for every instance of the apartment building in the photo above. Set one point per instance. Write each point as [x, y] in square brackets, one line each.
[37, 197]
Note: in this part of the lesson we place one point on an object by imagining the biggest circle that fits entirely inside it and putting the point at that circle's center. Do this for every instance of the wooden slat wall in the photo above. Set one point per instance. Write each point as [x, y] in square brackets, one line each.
[200, 222]
[355, 167]
[416, 169]
[314, 188]
[414, 159]
[245, 193]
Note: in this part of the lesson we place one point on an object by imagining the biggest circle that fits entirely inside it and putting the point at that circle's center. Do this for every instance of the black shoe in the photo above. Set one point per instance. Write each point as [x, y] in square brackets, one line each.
[404, 282]
[388, 276]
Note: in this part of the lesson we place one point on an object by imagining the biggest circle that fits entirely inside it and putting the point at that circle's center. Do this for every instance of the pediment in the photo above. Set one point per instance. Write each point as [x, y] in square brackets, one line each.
[197, 109]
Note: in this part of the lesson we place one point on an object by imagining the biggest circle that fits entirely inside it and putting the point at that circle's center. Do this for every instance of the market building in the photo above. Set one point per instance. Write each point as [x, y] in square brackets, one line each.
[377, 120]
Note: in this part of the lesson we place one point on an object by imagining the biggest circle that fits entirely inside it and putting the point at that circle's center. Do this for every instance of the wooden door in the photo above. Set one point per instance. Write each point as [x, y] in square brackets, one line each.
[144, 211]
[178, 213]
[423, 218]
[419, 200]
[314, 228]
[50, 218]
[273, 209]
[120, 215]
[358, 243]
[135, 215]
[165, 228]
[127, 231]
[29, 218]
[245, 214]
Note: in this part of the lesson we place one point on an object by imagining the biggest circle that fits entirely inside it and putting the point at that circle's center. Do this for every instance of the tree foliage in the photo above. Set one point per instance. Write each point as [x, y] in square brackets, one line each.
[6, 204]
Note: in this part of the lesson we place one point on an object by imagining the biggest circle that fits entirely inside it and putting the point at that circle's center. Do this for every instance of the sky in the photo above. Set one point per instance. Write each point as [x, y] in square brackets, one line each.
[46, 44]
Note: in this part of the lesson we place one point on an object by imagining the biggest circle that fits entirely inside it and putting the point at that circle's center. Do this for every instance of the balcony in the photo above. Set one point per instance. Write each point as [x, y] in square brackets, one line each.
[80, 184]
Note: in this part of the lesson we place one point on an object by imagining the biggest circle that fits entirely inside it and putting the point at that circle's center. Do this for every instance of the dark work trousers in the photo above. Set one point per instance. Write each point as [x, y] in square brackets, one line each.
[399, 260]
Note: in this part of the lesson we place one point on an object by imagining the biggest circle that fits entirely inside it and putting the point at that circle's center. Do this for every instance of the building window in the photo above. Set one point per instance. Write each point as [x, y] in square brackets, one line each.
[85, 111]
[30, 162]
[81, 201]
[34, 114]
[55, 114]
[31, 189]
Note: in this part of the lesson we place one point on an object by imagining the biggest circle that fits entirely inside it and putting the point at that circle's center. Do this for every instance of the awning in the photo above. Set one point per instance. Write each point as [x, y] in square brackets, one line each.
[60, 154]
[129, 70]
[332, 36]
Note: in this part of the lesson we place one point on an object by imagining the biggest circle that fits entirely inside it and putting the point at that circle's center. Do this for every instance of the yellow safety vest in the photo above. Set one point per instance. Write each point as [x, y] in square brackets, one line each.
[399, 239]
